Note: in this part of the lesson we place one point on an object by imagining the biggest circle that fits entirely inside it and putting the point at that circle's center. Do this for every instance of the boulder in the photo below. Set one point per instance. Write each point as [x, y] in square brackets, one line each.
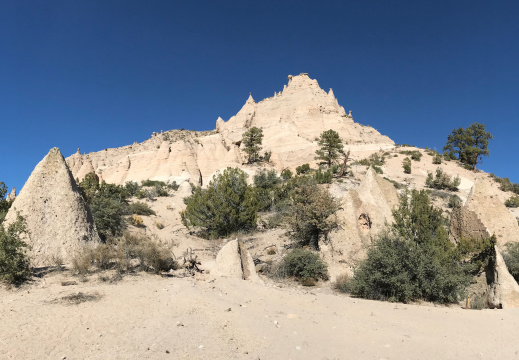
[234, 261]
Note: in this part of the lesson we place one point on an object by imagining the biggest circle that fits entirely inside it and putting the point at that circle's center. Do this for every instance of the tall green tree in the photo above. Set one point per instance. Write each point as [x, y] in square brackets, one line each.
[14, 262]
[227, 205]
[251, 140]
[469, 145]
[4, 204]
[330, 147]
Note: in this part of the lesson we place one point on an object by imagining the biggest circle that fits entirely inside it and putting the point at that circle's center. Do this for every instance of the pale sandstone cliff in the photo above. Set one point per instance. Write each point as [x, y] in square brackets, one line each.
[291, 122]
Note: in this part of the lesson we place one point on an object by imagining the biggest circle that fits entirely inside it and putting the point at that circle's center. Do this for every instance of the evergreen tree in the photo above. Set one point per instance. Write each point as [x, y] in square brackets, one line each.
[330, 147]
[251, 140]
[227, 205]
[468, 144]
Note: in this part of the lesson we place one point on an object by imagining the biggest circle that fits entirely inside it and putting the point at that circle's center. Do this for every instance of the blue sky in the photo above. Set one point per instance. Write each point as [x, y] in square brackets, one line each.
[100, 74]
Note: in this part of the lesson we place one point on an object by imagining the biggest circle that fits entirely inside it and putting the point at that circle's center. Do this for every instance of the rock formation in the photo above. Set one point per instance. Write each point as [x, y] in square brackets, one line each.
[11, 196]
[234, 261]
[484, 215]
[503, 291]
[58, 220]
[291, 122]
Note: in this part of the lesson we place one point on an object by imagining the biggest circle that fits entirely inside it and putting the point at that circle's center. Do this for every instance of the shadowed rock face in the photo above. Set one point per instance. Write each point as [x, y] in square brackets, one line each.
[291, 121]
[58, 220]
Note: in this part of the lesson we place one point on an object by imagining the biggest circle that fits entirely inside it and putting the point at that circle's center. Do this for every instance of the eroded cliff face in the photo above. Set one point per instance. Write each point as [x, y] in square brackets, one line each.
[291, 120]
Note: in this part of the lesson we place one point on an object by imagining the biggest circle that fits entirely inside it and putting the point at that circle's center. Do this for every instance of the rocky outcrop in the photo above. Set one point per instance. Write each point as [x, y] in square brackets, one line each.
[11, 196]
[503, 290]
[234, 261]
[58, 221]
[291, 121]
[484, 215]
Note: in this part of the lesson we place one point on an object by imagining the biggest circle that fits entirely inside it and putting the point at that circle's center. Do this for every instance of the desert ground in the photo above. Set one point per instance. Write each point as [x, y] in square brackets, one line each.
[152, 317]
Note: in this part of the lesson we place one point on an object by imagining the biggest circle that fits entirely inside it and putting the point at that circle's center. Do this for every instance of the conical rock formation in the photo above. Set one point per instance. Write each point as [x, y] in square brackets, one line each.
[234, 261]
[58, 220]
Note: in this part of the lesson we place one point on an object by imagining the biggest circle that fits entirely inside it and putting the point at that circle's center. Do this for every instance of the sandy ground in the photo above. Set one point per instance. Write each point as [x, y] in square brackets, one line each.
[151, 317]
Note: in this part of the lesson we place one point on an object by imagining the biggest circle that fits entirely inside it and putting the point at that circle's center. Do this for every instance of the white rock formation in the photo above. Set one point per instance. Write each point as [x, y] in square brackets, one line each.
[291, 122]
[234, 261]
[58, 221]
[503, 291]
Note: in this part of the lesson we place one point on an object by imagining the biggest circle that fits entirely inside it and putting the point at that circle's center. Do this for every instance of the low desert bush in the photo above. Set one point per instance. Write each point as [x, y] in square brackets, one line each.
[511, 257]
[140, 208]
[127, 253]
[303, 264]
[303, 169]
[513, 202]
[414, 154]
[406, 164]
[137, 221]
[454, 201]
[14, 262]
[442, 181]
[342, 283]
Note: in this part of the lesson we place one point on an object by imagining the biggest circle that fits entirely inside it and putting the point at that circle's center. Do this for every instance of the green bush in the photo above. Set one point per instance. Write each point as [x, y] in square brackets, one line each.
[414, 259]
[406, 164]
[373, 160]
[286, 174]
[303, 169]
[14, 262]
[437, 159]
[266, 179]
[513, 202]
[140, 208]
[442, 181]
[323, 177]
[454, 201]
[303, 264]
[414, 154]
[311, 215]
[227, 205]
[511, 257]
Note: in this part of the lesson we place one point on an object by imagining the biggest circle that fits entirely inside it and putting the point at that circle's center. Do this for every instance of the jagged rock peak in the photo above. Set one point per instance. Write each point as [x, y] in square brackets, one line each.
[57, 218]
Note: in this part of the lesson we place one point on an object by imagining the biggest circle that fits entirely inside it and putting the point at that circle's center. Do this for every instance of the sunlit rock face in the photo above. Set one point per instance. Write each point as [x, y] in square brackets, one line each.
[291, 120]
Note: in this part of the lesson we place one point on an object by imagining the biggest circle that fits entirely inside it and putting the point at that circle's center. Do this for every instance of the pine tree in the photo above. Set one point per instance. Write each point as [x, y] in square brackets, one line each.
[468, 144]
[330, 147]
[251, 140]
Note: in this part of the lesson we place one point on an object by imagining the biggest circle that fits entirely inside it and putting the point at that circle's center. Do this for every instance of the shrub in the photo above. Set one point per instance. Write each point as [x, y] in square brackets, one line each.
[303, 169]
[14, 262]
[323, 177]
[227, 205]
[437, 159]
[137, 221]
[442, 181]
[414, 154]
[140, 208]
[150, 256]
[513, 202]
[159, 225]
[414, 259]
[406, 164]
[266, 179]
[511, 257]
[303, 264]
[286, 174]
[454, 201]
[373, 160]
[312, 215]
[267, 155]
[342, 283]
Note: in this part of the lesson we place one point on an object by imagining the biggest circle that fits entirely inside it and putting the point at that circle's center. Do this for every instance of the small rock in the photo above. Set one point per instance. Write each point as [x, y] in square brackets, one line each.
[200, 346]
[167, 351]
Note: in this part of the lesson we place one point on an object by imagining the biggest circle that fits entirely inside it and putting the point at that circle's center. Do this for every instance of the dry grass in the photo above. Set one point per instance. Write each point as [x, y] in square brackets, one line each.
[78, 298]
[128, 253]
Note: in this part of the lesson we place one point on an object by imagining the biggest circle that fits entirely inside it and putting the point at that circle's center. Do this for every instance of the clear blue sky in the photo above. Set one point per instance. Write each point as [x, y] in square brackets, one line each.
[99, 74]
